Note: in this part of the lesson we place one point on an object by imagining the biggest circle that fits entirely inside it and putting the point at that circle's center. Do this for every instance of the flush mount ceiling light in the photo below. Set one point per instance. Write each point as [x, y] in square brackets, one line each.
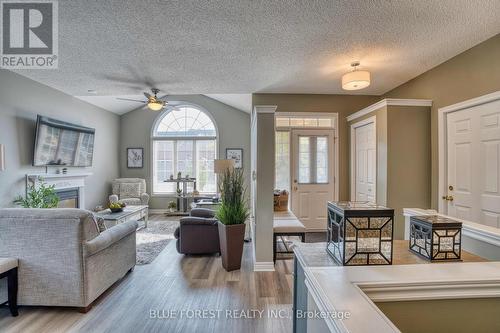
[355, 79]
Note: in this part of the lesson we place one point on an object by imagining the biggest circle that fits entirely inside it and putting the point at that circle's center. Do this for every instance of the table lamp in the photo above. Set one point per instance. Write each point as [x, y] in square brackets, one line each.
[220, 166]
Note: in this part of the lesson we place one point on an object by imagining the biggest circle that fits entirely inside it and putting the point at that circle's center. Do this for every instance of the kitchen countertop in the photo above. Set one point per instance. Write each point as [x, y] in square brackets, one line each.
[356, 288]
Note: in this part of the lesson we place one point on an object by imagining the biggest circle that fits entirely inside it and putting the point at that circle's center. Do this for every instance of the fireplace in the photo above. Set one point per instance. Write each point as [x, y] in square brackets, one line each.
[68, 198]
[69, 187]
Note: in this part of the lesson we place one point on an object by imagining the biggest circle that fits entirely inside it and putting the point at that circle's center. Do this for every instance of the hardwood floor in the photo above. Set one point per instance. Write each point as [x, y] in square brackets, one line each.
[174, 282]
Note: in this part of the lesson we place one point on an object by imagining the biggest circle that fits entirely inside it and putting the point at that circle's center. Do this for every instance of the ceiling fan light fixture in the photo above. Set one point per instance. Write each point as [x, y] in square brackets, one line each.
[356, 79]
[156, 105]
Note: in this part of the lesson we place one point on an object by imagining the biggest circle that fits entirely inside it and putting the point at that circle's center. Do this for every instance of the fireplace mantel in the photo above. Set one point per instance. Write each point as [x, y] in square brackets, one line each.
[61, 181]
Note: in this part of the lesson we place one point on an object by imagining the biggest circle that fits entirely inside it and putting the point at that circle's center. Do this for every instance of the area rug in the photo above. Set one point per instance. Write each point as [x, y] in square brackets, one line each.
[154, 239]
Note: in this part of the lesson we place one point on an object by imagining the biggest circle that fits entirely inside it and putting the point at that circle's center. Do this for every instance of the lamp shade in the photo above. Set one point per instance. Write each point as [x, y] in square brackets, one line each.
[220, 166]
[2, 157]
[355, 80]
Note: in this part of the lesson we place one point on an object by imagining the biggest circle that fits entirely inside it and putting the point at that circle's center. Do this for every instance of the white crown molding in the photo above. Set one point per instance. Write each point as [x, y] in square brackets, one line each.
[263, 266]
[471, 102]
[265, 108]
[389, 102]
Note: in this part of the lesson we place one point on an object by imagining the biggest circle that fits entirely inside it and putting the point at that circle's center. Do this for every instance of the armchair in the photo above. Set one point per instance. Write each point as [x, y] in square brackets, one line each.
[198, 233]
[131, 191]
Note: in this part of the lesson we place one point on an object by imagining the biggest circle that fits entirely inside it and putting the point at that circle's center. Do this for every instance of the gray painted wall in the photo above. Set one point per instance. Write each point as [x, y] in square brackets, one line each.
[21, 99]
[233, 132]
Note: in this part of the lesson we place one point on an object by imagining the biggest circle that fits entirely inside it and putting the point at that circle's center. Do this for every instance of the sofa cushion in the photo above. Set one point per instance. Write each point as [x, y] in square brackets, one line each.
[130, 190]
[131, 201]
[100, 223]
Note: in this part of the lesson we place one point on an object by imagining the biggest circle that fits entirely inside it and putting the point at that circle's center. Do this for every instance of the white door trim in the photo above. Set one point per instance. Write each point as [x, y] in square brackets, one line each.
[335, 128]
[442, 141]
[361, 123]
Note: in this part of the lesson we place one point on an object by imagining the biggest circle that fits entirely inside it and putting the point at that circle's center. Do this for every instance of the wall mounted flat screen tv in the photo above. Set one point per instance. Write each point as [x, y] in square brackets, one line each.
[60, 143]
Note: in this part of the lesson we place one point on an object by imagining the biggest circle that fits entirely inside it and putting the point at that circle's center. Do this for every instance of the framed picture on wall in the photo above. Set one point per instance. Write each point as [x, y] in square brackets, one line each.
[135, 158]
[235, 154]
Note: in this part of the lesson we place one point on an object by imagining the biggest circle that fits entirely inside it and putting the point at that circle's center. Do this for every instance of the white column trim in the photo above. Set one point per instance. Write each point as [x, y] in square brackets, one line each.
[389, 102]
[263, 266]
[265, 108]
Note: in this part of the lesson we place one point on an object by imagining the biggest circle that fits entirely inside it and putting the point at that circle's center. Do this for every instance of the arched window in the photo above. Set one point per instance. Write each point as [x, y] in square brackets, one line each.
[184, 140]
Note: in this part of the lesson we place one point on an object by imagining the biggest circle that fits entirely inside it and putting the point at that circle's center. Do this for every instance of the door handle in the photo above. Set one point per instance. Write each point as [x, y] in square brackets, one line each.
[295, 188]
[448, 197]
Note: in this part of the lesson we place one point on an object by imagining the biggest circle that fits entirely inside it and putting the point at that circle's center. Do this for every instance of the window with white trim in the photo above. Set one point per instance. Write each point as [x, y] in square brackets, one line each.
[184, 140]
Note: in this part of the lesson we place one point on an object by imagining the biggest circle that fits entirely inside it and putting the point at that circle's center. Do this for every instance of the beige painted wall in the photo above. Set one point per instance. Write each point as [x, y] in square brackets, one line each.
[233, 132]
[344, 105]
[437, 316]
[473, 73]
[408, 161]
[21, 99]
[403, 159]
[264, 186]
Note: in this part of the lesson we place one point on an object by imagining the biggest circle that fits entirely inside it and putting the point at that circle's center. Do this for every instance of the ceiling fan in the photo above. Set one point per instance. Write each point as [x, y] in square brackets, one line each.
[154, 103]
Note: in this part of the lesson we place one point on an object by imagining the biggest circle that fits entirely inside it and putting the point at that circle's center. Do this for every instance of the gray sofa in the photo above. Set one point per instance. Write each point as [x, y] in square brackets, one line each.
[63, 258]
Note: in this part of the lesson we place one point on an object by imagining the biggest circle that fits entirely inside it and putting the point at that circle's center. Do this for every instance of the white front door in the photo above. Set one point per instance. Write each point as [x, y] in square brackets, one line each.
[364, 161]
[473, 164]
[313, 182]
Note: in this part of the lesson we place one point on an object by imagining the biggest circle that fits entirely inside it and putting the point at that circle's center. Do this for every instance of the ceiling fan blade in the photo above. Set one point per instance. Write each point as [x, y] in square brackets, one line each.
[131, 100]
[148, 96]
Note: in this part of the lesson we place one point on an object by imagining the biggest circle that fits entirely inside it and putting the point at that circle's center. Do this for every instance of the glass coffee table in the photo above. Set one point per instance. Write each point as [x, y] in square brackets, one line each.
[130, 213]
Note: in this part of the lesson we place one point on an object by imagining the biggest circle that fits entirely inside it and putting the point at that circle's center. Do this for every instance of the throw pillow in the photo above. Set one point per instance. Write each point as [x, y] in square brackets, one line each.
[130, 190]
[100, 224]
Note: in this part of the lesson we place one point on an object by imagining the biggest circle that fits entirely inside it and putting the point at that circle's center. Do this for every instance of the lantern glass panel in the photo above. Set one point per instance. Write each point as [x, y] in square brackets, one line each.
[368, 240]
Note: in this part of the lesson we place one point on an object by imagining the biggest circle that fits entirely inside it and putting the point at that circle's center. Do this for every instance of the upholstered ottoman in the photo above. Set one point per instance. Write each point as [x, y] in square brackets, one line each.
[8, 269]
[286, 227]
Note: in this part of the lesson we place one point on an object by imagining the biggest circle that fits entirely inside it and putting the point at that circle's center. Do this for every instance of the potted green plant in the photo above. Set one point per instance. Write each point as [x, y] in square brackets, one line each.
[172, 206]
[232, 214]
[42, 196]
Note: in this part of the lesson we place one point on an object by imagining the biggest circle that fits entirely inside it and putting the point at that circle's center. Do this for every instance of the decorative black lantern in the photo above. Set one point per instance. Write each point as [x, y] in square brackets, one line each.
[360, 233]
[436, 237]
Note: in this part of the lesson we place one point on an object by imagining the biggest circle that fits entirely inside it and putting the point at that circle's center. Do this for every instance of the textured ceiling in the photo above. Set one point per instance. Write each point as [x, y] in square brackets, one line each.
[241, 102]
[240, 47]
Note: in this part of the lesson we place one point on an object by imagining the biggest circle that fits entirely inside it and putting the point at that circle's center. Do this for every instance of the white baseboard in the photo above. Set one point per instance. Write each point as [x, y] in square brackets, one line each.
[263, 266]
[158, 211]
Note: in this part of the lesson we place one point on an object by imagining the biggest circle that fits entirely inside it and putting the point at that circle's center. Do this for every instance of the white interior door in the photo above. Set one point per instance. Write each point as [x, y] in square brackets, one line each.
[313, 182]
[364, 161]
[473, 164]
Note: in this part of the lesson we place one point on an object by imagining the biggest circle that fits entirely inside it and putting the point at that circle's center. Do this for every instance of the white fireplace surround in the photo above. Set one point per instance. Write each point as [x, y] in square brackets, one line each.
[61, 182]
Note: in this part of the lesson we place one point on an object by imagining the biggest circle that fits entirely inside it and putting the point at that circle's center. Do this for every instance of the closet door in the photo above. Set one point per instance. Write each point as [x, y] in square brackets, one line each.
[364, 161]
[473, 164]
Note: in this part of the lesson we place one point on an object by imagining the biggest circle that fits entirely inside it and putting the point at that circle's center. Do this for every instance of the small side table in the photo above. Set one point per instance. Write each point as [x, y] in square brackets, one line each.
[8, 269]
[436, 237]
